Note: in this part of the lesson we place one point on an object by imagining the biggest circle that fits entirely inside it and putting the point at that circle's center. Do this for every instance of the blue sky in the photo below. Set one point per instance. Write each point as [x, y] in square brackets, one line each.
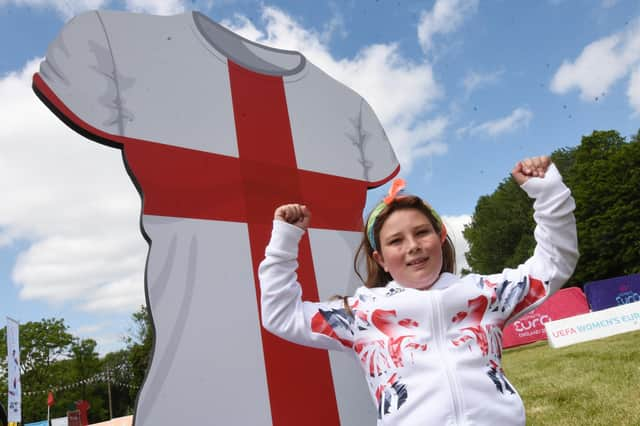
[464, 89]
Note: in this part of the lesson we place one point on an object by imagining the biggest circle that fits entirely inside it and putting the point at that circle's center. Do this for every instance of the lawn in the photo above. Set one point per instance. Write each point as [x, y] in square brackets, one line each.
[591, 383]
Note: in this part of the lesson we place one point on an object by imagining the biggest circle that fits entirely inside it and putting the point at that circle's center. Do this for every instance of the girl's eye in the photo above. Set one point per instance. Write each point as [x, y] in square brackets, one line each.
[423, 231]
[394, 241]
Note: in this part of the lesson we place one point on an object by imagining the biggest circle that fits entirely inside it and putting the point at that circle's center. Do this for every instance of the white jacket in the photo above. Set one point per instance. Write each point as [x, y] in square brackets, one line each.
[430, 357]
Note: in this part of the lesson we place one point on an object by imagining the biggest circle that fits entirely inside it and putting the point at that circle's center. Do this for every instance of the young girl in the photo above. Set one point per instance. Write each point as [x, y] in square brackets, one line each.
[429, 342]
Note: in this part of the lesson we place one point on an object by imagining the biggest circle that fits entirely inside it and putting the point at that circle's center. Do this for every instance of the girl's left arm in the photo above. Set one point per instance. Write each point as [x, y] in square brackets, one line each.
[556, 253]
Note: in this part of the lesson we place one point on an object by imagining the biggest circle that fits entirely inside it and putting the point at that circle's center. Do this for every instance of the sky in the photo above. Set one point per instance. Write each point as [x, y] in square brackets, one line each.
[463, 88]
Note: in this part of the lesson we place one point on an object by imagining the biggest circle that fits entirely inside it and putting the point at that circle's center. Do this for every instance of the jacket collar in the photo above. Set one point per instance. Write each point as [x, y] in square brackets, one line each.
[445, 280]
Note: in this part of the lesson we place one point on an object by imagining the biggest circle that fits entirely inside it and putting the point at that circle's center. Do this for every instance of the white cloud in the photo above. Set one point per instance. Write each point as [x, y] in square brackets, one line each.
[335, 25]
[116, 295]
[608, 3]
[408, 140]
[519, 118]
[85, 269]
[107, 340]
[399, 90]
[86, 331]
[633, 92]
[475, 80]
[600, 64]
[243, 26]
[70, 8]
[65, 8]
[108, 335]
[455, 225]
[462, 132]
[605, 4]
[72, 200]
[445, 17]
[156, 7]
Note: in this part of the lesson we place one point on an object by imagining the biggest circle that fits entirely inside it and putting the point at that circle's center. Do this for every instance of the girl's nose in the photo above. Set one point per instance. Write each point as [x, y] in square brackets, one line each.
[413, 245]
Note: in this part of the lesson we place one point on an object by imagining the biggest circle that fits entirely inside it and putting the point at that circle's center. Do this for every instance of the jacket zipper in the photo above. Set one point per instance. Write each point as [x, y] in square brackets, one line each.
[439, 329]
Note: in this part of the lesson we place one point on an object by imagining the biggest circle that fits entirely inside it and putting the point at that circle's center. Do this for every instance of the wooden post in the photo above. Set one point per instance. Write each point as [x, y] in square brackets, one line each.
[109, 392]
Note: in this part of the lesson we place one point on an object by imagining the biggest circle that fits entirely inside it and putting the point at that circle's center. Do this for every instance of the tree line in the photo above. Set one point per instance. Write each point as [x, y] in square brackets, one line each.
[603, 173]
[53, 359]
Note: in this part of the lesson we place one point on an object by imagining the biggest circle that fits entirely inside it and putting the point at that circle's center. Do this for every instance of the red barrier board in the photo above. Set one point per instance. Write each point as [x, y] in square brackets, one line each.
[73, 418]
[529, 328]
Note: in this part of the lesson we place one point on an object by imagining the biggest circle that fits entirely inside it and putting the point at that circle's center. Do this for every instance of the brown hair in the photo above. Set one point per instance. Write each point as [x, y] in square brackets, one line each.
[376, 276]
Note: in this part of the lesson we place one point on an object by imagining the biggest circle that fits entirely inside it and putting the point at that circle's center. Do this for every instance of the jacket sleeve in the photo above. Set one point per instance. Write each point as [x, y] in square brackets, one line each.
[323, 325]
[555, 255]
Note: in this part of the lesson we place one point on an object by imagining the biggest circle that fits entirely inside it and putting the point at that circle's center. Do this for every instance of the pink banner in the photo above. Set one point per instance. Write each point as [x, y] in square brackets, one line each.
[530, 327]
[119, 421]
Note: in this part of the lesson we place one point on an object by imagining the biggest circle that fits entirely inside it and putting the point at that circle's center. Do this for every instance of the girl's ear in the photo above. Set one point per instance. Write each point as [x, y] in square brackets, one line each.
[379, 260]
[443, 233]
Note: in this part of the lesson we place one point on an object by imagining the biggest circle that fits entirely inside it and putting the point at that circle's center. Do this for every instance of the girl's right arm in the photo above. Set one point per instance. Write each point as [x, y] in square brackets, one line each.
[319, 325]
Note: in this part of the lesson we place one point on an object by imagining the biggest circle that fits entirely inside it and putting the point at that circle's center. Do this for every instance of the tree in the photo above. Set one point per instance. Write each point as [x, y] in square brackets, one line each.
[139, 347]
[43, 345]
[85, 361]
[605, 181]
[3, 416]
[52, 358]
[123, 390]
[86, 369]
[603, 173]
[501, 230]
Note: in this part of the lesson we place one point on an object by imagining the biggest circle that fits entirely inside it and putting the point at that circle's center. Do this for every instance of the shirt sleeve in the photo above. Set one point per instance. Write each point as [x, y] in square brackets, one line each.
[323, 325]
[78, 77]
[378, 157]
[555, 255]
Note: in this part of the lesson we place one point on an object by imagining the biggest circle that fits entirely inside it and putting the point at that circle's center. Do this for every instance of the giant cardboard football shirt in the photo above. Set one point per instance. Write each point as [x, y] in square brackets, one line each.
[216, 131]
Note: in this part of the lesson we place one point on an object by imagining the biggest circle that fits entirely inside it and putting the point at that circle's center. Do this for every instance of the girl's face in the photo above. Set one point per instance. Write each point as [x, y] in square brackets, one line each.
[410, 249]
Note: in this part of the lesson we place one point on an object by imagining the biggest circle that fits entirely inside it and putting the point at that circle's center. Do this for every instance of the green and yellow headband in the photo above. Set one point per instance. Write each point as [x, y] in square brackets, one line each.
[396, 191]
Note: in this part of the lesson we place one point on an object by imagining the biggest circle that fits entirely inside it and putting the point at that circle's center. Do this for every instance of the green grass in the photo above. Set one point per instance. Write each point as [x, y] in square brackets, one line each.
[591, 383]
